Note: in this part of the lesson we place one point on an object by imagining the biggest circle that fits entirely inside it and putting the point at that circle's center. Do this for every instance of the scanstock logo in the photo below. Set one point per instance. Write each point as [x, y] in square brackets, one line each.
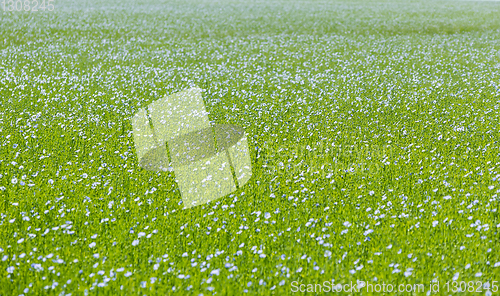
[208, 161]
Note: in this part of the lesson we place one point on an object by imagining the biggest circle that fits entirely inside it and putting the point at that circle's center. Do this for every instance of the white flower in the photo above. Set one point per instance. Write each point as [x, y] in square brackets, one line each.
[14, 180]
[37, 267]
[328, 253]
[127, 274]
[92, 244]
[10, 269]
[215, 271]
[408, 272]
[135, 242]
[267, 215]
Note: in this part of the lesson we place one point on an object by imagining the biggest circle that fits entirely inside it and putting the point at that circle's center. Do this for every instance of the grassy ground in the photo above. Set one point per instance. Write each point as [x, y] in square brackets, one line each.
[373, 128]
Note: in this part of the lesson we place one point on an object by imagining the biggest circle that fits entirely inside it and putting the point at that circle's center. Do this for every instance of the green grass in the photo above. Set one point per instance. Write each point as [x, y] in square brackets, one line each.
[373, 128]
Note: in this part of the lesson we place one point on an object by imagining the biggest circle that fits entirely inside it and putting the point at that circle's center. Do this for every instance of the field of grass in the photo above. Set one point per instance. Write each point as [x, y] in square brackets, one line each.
[373, 128]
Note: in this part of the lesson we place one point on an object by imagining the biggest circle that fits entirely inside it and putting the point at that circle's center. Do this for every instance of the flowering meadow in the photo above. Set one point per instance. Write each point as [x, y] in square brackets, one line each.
[373, 128]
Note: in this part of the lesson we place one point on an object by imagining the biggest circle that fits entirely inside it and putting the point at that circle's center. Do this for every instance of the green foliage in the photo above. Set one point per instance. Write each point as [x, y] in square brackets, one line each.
[373, 128]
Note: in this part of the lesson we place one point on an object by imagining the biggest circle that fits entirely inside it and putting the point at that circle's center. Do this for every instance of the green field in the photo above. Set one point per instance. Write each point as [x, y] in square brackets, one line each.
[373, 128]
